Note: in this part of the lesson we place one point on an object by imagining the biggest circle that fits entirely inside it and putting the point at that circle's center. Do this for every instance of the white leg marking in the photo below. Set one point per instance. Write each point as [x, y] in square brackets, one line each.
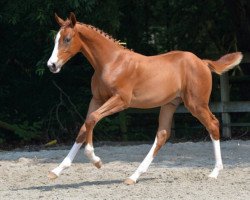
[89, 152]
[143, 167]
[218, 160]
[68, 159]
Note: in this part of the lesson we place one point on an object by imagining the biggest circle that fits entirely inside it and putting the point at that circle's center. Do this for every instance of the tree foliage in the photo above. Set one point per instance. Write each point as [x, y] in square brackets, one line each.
[28, 96]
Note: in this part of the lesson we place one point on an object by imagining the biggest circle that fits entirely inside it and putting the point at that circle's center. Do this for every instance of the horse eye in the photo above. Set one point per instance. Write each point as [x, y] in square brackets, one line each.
[67, 40]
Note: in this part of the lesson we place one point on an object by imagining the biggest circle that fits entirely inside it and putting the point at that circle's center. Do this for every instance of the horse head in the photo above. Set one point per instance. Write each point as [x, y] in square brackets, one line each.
[67, 43]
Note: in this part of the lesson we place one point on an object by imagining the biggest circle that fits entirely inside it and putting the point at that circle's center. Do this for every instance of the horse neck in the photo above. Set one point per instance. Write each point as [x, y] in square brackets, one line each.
[98, 49]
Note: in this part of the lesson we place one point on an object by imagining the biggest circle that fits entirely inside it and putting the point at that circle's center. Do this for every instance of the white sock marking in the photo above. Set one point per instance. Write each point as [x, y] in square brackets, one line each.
[68, 160]
[143, 167]
[218, 159]
[89, 152]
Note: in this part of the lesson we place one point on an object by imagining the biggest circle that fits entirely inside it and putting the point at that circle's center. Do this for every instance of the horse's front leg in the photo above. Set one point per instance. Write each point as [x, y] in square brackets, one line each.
[89, 149]
[113, 105]
[81, 138]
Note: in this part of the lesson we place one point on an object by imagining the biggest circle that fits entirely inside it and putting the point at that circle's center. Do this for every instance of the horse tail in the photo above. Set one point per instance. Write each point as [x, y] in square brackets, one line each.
[225, 63]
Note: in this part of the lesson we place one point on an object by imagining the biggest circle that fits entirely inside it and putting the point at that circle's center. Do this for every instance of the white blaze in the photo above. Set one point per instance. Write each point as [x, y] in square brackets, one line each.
[54, 57]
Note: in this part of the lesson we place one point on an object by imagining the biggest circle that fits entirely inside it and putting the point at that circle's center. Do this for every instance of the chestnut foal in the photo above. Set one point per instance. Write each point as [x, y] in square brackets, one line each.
[124, 79]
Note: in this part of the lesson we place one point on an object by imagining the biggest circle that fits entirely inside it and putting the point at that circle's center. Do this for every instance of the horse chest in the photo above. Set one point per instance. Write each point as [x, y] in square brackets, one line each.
[102, 88]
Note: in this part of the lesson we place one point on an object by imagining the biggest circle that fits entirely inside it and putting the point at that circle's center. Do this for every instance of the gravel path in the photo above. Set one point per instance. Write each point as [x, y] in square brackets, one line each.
[178, 172]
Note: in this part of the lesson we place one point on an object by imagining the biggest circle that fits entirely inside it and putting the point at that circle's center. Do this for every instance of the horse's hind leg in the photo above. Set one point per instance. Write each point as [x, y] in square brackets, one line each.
[163, 133]
[53, 174]
[205, 116]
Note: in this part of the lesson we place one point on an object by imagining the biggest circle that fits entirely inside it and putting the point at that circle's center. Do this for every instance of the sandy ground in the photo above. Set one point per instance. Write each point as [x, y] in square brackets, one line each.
[179, 172]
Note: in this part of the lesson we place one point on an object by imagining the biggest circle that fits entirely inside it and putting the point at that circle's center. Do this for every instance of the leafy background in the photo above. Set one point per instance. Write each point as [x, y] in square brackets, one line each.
[37, 106]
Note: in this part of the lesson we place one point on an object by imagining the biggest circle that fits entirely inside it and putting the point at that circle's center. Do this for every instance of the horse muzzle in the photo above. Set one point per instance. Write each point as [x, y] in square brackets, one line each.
[53, 67]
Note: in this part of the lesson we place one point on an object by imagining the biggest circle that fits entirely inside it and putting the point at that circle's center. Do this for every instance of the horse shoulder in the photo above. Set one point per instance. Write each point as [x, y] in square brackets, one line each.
[117, 77]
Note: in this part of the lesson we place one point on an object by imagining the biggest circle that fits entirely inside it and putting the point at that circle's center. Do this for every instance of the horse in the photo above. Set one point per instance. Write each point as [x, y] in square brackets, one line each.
[125, 79]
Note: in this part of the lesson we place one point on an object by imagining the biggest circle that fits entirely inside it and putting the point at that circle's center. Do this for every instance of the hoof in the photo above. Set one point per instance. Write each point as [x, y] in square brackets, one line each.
[52, 176]
[129, 181]
[98, 164]
[212, 175]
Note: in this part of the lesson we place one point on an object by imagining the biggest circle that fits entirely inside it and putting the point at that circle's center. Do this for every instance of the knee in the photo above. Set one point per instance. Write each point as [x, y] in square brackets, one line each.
[91, 120]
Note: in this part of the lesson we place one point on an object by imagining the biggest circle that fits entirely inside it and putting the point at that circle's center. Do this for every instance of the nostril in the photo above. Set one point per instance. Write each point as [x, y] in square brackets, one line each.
[53, 66]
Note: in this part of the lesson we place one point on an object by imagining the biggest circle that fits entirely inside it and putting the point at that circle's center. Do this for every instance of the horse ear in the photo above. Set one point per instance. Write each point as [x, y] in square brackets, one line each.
[59, 20]
[72, 19]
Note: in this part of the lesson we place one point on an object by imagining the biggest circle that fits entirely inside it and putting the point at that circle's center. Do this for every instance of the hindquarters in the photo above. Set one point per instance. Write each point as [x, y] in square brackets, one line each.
[197, 82]
[196, 94]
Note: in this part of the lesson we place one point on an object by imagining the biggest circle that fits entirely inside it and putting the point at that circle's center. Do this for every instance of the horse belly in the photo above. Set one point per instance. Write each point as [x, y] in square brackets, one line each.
[155, 94]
